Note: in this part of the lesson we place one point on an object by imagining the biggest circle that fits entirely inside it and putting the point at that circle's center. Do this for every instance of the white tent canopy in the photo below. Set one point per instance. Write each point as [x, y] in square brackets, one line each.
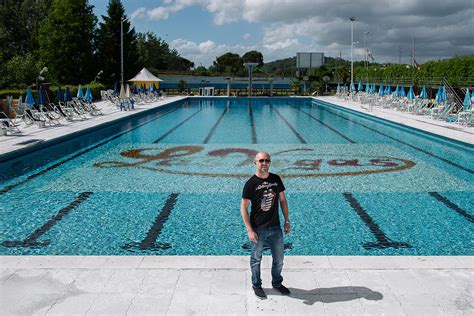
[145, 76]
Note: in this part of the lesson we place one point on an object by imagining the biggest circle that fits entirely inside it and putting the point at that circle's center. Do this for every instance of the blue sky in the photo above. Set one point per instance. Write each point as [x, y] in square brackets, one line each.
[202, 29]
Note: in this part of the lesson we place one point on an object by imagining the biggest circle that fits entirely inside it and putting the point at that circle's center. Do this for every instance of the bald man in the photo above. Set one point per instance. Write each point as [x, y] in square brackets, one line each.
[263, 191]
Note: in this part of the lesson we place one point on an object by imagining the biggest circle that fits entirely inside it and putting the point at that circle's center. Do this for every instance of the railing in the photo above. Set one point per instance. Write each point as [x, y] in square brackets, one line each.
[451, 91]
[419, 81]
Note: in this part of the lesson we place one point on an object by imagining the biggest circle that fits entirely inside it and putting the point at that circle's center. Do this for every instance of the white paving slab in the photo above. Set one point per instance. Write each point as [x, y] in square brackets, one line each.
[371, 286]
[421, 122]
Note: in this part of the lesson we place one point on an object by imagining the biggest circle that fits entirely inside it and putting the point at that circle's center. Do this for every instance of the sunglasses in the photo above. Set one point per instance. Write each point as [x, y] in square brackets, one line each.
[264, 160]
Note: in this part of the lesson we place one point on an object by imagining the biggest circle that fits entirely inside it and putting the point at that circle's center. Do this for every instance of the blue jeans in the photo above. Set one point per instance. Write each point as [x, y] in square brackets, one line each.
[273, 237]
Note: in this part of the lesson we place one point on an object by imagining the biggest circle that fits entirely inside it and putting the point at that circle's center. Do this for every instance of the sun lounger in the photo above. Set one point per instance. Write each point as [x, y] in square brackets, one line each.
[50, 114]
[443, 111]
[79, 112]
[35, 117]
[8, 125]
[466, 115]
[94, 110]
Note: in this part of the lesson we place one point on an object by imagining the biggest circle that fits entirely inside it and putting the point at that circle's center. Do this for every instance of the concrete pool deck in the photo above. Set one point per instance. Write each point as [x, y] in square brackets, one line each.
[183, 285]
[421, 122]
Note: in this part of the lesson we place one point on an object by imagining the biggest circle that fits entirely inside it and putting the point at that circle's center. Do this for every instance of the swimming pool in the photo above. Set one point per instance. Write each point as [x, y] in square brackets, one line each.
[169, 183]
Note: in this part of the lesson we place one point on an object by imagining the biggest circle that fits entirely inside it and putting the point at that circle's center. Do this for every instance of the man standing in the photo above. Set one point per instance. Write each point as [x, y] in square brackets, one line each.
[264, 190]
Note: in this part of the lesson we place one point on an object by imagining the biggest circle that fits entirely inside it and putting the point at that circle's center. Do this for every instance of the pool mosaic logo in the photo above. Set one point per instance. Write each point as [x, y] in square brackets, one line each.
[234, 161]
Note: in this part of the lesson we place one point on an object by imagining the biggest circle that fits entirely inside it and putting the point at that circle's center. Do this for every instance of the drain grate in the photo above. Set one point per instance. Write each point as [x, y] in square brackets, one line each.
[30, 142]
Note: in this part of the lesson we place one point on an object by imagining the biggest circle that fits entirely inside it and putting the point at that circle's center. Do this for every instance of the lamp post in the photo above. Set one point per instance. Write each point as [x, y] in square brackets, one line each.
[97, 77]
[40, 77]
[366, 58]
[352, 50]
[121, 49]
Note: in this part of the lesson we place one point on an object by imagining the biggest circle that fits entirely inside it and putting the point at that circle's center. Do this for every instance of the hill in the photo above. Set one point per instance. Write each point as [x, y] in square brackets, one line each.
[287, 66]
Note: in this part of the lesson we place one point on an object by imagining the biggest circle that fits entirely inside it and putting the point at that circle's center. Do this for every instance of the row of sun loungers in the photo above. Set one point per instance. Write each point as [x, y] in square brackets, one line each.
[128, 103]
[49, 115]
[446, 111]
[77, 109]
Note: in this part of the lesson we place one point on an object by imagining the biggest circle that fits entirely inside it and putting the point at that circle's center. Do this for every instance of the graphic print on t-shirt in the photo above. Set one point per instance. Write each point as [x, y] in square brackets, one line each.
[266, 201]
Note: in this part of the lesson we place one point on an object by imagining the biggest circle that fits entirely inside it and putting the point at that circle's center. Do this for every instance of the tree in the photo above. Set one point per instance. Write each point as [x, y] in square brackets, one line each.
[155, 54]
[201, 71]
[182, 85]
[19, 24]
[66, 41]
[295, 85]
[152, 51]
[176, 62]
[253, 57]
[20, 71]
[229, 63]
[108, 45]
[281, 67]
[341, 70]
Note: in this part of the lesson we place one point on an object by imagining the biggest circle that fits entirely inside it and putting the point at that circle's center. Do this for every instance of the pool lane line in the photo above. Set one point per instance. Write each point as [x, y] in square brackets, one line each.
[326, 125]
[31, 241]
[252, 124]
[452, 206]
[35, 175]
[149, 242]
[176, 127]
[213, 129]
[402, 142]
[382, 240]
[301, 139]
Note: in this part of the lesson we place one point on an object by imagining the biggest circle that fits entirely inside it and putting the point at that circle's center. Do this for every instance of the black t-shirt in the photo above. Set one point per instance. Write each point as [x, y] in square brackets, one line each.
[263, 193]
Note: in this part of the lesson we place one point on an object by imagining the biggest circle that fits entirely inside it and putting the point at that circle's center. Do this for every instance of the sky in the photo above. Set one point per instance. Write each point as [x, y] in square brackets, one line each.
[201, 30]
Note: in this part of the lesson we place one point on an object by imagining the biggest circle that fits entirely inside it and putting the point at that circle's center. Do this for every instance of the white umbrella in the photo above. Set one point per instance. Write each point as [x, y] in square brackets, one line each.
[127, 93]
[122, 92]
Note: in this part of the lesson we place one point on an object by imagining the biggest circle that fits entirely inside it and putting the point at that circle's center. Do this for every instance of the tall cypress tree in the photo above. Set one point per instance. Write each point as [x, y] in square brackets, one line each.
[66, 41]
[108, 45]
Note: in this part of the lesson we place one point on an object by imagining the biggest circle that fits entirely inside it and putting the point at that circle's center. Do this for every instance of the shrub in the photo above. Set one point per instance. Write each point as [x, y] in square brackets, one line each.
[95, 90]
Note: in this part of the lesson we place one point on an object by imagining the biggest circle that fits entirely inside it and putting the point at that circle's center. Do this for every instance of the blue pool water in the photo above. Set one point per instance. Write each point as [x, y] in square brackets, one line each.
[169, 183]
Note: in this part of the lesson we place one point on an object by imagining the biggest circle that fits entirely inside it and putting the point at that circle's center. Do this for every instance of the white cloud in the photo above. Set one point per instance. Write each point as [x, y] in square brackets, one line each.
[170, 7]
[442, 29]
[246, 36]
[138, 13]
[160, 13]
[226, 11]
[205, 53]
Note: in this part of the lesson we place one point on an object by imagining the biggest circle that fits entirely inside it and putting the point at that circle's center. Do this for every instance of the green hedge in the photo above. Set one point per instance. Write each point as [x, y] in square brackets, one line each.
[95, 89]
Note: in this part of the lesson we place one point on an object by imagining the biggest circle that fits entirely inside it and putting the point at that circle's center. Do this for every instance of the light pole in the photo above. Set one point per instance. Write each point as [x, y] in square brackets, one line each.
[121, 49]
[97, 77]
[40, 77]
[366, 59]
[352, 50]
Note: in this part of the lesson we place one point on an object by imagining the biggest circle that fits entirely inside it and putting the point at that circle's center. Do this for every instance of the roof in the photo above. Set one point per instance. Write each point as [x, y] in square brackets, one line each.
[145, 75]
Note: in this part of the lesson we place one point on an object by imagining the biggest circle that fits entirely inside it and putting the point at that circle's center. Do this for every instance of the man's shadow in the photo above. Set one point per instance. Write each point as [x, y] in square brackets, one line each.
[332, 294]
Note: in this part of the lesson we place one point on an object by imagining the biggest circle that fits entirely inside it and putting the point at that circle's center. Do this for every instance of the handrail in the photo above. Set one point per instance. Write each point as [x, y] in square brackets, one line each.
[449, 90]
